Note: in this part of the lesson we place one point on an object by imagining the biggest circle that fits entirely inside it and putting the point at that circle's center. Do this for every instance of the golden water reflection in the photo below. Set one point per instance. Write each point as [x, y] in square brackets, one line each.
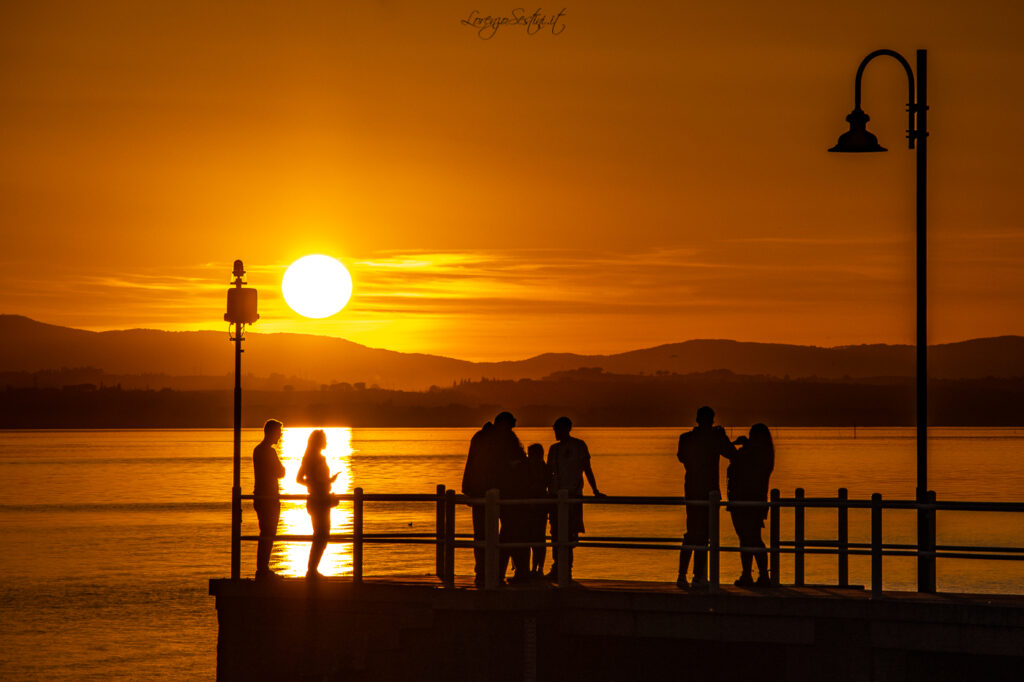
[290, 558]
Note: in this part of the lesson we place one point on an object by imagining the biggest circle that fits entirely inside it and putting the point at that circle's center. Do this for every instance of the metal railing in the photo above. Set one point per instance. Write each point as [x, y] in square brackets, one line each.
[446, 540]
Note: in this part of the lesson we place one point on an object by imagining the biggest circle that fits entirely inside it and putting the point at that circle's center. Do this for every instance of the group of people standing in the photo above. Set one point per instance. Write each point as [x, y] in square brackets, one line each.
[497, 460]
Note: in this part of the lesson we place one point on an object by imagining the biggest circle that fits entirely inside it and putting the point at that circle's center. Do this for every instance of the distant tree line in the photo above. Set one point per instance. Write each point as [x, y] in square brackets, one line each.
[590, 396]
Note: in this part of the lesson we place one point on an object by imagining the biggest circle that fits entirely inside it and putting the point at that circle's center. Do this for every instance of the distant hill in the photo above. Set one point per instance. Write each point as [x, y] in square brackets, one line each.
[30, 346]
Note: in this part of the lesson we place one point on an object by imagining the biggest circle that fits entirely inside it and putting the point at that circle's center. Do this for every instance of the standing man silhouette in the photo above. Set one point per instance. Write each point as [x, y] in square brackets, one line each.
[479, 476]
[494, 453]
[568, 462]
[699, 450]
[267, 470]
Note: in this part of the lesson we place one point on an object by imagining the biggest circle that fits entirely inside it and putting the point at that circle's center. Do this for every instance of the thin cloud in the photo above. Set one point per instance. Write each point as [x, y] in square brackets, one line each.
[473, 303]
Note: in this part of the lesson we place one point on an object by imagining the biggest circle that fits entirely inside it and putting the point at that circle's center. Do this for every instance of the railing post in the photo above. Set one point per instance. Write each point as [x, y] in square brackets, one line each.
[876, 544]
[449, 538]
[236, 532]
[714, 497]
[774, 541]
[562, 548]
[491, 553]
[844, 538]
[357, 535]
[798, 538]
[930, 544]
[439, 534]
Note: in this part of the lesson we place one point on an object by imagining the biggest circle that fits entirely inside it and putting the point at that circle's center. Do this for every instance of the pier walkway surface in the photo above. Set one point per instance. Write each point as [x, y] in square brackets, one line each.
[415, 628]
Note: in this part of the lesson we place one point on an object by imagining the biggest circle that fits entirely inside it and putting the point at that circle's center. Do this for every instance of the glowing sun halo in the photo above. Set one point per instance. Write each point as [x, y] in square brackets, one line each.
[316, 286]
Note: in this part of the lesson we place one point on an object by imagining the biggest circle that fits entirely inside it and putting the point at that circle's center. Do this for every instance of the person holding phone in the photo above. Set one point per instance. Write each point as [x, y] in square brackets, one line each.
[316, 476]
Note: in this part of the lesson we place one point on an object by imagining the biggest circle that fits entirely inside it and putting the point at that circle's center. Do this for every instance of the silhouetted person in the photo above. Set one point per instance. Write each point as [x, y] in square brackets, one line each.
[568, 462]
[699, 450]
[747, 480]
[539, 480]
[513, 484]
[316, 476]
[267, 469]
[479, 476]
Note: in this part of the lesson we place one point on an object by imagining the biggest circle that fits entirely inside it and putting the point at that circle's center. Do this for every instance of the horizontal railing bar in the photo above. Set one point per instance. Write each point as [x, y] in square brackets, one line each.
[834, 543]
[630, 538]
[432, 536]
[398, 497]
[867, 545]
[969, 548]
[419, 539]
[348, 497]
[628, 500]
[635, 539]
[627, 545]
[953, 505]
[347, 539]
[979, 557]
[831, 503]
[785, 502]
[622, 500]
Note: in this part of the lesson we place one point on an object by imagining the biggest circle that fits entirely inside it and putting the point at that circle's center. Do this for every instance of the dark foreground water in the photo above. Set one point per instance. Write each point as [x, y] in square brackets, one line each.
[107, 538]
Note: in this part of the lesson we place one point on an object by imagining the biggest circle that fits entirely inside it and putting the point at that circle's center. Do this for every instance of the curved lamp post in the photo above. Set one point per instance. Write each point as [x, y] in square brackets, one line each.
[858, 139]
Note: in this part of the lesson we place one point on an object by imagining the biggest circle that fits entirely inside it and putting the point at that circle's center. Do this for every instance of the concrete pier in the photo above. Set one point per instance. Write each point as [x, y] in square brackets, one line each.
[405, 628]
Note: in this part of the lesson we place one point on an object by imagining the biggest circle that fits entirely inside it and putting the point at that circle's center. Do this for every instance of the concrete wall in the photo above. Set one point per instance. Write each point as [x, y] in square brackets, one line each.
[382, 631]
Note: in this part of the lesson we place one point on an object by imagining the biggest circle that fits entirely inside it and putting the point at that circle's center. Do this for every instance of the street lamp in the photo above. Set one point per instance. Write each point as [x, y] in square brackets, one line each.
[858, 139]
[241, 311]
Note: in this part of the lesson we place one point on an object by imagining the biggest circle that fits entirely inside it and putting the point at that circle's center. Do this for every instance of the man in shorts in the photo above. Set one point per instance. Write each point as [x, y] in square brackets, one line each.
[568, 462]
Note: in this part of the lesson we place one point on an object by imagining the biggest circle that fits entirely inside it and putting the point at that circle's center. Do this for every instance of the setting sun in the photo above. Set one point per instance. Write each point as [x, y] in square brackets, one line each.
[316, 286]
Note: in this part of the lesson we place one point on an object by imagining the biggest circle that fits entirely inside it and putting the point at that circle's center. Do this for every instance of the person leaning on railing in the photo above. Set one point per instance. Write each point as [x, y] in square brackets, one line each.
[568, 462]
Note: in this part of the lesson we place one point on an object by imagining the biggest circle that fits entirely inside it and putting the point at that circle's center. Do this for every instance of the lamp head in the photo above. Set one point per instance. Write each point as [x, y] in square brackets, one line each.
[858, 139]
[241, 300]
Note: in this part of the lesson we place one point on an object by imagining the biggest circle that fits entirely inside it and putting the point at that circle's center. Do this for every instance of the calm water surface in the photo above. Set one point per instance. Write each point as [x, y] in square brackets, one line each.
[108, 538]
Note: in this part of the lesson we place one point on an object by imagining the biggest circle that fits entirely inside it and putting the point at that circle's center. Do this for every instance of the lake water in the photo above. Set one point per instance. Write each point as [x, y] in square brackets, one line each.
[108, 538]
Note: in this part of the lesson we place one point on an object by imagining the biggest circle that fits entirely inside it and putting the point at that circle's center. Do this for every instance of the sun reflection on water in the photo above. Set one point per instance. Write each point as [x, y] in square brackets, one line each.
[289, 558]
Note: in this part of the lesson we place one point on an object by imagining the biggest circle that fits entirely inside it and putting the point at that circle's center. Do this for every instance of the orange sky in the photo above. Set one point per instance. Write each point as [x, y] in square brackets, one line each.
[645, 176]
